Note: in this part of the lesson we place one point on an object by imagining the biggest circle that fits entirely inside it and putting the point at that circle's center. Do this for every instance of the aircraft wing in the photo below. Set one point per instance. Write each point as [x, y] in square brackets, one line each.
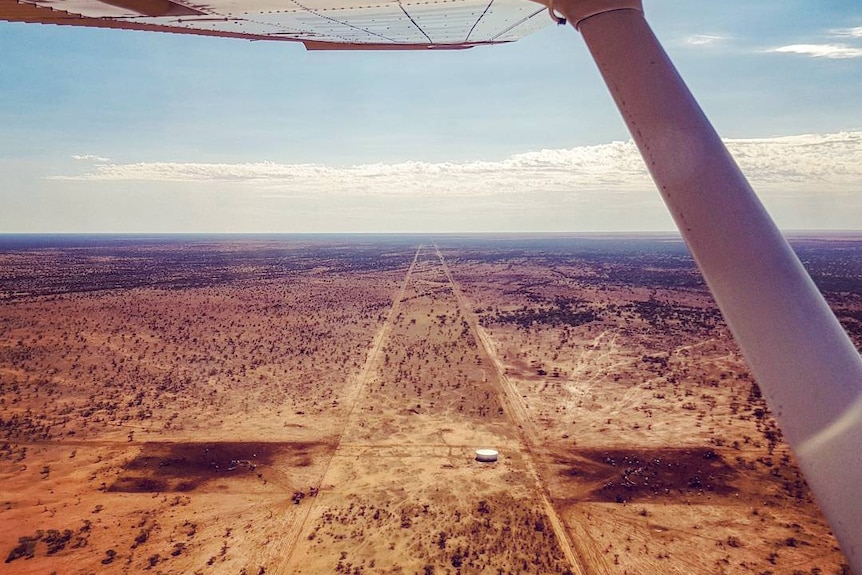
[319, 24]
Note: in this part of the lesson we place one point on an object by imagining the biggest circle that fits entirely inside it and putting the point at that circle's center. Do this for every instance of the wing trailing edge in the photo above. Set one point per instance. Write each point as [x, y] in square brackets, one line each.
[319, 24]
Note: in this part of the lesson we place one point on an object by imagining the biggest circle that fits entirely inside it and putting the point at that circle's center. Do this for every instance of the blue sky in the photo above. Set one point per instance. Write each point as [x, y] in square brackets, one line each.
[120, 131]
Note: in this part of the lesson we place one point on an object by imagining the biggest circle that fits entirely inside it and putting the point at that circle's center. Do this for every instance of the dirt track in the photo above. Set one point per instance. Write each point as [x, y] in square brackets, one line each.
[367, 450]
[516, 411]
[315, 408]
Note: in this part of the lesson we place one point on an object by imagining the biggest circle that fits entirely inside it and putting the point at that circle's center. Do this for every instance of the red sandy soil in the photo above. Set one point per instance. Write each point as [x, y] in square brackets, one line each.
[274, 407]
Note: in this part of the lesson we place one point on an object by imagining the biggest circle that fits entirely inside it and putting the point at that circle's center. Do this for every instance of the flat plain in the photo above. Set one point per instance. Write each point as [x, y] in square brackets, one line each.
[312, 404]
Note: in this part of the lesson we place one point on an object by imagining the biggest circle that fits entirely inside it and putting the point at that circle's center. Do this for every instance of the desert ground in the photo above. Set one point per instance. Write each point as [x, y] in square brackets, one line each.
[299, 404]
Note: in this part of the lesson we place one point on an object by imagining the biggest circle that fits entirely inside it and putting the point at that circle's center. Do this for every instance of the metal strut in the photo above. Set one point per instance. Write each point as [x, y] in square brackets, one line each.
[805, 364]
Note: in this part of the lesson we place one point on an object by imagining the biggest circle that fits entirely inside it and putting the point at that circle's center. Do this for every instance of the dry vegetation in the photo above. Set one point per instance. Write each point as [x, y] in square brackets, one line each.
[284, 405]
[167, 422]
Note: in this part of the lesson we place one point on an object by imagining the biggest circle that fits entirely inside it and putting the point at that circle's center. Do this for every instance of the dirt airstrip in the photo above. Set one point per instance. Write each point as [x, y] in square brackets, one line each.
[313, 405]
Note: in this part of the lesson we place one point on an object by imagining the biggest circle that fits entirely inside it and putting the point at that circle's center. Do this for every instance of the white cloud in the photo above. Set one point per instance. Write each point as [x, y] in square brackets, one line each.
[615, 165]
[833, 51]
[848, 32]
[838, 43]
[807, 157]
[90, 158]
[810, 181]
[831, 162]
[704, 39]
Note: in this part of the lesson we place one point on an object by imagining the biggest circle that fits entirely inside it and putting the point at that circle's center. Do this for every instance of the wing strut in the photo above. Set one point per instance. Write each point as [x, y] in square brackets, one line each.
[808, 369]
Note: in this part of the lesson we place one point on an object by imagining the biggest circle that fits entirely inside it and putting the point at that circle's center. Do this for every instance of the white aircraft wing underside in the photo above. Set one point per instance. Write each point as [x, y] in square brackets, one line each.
[319, 24]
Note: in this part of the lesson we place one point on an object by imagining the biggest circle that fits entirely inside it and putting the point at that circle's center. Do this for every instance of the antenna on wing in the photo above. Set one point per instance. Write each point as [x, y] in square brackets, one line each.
[560, 20]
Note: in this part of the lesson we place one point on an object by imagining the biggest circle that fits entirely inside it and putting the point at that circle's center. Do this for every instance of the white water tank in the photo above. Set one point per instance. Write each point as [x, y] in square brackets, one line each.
[487, 455]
